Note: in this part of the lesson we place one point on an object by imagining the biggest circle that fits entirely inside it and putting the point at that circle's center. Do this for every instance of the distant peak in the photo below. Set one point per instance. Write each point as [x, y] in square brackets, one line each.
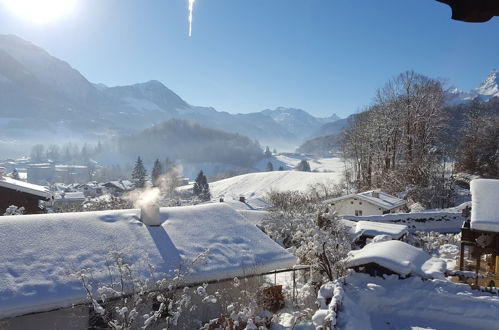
[152, 84]
[490, 86]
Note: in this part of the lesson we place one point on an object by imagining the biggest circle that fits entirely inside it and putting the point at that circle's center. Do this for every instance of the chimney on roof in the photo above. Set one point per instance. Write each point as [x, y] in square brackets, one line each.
[375, 194]
[149, 215]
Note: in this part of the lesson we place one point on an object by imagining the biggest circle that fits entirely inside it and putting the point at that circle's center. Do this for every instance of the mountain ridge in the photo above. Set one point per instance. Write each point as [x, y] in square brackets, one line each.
[35, 85]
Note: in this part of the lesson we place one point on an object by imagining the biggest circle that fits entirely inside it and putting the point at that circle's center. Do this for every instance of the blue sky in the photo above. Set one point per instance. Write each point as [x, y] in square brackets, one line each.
[324, 56]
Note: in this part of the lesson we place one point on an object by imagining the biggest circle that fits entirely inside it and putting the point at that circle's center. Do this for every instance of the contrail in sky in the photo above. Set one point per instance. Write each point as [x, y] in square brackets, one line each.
[191, 7]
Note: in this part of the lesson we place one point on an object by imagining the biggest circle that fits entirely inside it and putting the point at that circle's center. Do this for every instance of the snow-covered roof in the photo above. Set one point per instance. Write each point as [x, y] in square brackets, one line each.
[399, 257]
[41, 252]
[121, 184]
[29, 188]
[378, 198]
[371, 229]
[485, 205]
[70, 196]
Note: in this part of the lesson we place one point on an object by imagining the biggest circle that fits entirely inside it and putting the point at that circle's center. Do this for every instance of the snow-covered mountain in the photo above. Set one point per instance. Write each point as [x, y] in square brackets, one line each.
[148, 96]
[488, 89]
[40, 95]
[490, 86]
[298, 121]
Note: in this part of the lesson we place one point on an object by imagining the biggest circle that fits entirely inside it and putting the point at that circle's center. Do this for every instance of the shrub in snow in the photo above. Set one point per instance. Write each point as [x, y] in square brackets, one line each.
[14, 210]
[238, 306]
[299, 221]
[431, 242]
[329, 300]
[416, 207]
[131, 302]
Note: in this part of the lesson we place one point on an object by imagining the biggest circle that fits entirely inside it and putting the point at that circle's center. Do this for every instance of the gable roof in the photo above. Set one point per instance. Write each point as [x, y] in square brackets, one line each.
[485, 205]
[121, 184]
[41, 252]
[383, 200]
[25, 187]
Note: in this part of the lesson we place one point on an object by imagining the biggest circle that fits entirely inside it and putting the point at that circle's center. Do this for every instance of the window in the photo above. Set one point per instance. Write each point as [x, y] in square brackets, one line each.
[358, 213]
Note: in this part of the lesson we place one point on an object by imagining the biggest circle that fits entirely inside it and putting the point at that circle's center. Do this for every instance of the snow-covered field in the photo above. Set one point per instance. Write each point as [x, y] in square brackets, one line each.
[289, 160]
[257, 185]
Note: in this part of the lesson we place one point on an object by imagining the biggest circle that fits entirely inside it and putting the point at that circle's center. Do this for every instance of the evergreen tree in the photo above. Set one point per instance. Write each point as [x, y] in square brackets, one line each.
[169, 165]
[98, 149]
[139, 174]
[156, 172]
[269, 167]
[268, 154]
[303, 166]
[201, 187]
[15, 174]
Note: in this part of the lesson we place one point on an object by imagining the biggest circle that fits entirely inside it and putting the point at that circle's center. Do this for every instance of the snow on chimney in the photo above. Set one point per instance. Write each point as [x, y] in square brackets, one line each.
[375, 194]
[149, 215]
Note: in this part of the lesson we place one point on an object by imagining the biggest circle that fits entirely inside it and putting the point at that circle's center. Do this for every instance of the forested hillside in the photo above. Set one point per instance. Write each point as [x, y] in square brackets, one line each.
[191, 143]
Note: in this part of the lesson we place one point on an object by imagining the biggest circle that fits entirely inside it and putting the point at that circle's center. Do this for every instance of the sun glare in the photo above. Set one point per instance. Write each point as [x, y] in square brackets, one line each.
[40, 11]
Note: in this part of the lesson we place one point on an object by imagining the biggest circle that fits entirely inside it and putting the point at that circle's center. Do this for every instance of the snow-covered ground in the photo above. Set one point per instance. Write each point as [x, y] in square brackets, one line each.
[390, 303]
[257, 185]
[289, 160]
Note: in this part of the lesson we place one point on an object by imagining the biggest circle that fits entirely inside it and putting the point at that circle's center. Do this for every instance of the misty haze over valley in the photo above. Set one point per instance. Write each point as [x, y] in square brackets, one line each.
[249, 165]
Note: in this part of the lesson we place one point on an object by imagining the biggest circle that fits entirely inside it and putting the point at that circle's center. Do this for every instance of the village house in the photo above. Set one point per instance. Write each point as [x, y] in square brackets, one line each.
[91, 189]
[372, 202]
[63, 200]
[44, 256]
[22, 194]
[118, 188]
[480, 235]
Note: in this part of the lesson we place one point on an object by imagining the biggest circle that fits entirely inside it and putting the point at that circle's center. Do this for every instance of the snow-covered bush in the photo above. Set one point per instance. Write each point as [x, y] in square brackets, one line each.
[14, 210]
[329, 300]
[328, 189]
[238, 306]
[131, 301]
[299, 221]
[432, 241]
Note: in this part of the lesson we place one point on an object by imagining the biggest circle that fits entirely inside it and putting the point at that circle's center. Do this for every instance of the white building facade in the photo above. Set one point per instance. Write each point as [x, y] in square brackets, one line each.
[368, 203]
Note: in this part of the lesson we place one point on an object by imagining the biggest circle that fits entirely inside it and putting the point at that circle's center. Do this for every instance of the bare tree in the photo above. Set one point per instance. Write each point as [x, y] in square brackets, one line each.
[397, 142]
